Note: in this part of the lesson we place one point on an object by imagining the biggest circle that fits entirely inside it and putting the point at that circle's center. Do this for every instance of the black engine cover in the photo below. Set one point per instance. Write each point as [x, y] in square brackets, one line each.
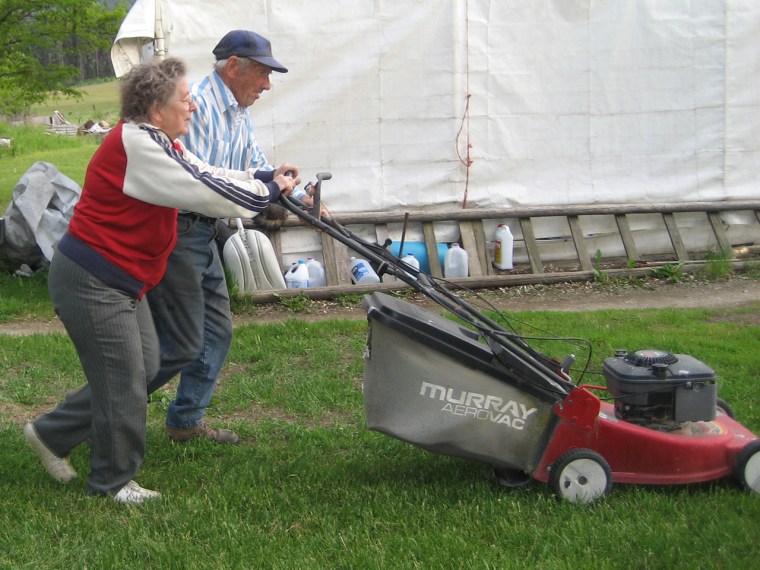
[654, 386]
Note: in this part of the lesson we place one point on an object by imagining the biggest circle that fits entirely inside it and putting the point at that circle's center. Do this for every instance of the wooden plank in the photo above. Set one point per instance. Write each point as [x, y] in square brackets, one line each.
[431, 247]
[482, 244]
[335, 272]
[531, 246]
[629, 244]
[675, 237]
[428, 215]
[504, 280]
[328, 257]
[274, 237]
[343, 263]
[580, 243]
[720, 233]
[469, 244]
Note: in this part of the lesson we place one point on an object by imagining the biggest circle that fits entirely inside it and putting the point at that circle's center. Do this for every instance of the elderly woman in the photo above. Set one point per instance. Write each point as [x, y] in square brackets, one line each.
[119, 238]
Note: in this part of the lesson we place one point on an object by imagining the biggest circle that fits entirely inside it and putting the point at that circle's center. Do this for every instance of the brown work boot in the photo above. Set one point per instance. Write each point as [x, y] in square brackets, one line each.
[217, 435]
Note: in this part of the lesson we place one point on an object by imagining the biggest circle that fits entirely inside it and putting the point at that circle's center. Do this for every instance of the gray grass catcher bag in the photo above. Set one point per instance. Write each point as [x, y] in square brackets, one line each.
[431, 382]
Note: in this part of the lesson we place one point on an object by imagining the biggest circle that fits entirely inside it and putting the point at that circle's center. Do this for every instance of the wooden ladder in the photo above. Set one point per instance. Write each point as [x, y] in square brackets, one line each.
[474, 240]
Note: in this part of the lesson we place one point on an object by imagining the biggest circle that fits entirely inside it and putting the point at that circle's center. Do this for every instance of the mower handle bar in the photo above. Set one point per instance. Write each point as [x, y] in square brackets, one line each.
[519, 353]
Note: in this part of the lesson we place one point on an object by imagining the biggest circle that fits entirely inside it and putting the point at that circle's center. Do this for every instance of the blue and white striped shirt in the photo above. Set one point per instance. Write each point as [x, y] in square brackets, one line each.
[221, 132]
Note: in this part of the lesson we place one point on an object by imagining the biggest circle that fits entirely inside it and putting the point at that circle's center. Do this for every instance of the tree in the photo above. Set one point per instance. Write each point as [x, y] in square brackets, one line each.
[45, 45]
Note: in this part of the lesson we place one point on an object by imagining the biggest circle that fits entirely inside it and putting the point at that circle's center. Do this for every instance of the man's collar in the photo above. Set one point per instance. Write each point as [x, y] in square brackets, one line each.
[225, 95]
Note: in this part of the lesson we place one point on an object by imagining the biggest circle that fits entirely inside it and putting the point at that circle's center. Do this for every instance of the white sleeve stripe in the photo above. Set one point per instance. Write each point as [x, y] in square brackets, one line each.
[223, 188]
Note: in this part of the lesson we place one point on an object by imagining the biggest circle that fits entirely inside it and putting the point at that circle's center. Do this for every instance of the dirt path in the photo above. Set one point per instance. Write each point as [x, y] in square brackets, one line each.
[734, 292]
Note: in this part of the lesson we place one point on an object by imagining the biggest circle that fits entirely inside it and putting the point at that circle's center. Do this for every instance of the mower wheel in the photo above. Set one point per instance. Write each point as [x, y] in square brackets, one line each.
[581, 476]
[747, 466]
[724, 408]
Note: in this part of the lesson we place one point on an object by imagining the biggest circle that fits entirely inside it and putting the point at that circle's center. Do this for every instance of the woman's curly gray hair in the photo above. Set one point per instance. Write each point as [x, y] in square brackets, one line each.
[147, 85]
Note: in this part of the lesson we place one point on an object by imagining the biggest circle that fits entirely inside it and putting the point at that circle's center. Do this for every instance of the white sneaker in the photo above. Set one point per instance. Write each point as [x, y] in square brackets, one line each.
[133, 494]
[59, 468]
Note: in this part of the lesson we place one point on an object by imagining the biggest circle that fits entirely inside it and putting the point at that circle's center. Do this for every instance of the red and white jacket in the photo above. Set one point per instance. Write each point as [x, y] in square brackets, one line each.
[124, 225]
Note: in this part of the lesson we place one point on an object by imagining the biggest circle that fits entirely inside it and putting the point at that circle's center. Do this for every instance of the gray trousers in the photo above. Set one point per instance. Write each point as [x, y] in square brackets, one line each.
[116, 341]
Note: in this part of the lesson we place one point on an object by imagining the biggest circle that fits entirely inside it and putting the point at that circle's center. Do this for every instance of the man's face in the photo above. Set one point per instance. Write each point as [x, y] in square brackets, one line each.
[248, 79]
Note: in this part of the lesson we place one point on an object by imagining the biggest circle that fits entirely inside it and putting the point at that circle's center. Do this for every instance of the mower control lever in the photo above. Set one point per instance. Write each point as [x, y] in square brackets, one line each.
[567, 363]
[316, 196]
[315, 208]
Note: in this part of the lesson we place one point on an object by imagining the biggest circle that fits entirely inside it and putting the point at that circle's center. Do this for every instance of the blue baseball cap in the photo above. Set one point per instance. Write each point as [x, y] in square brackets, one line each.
[250, 45]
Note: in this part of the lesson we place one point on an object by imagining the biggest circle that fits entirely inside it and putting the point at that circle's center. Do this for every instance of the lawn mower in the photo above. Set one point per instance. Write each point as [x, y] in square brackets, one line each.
[476, 389]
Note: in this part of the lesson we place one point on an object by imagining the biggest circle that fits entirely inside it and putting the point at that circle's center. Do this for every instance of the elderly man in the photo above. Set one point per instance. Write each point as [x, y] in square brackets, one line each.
[191, 305]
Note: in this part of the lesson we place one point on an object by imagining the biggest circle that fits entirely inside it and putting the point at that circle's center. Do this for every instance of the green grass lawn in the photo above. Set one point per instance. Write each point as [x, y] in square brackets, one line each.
[70, 154]
[311, 487]
[99, 102]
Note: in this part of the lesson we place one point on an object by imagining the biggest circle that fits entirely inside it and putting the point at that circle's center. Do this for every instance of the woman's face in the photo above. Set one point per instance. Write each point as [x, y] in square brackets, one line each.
[174, 118]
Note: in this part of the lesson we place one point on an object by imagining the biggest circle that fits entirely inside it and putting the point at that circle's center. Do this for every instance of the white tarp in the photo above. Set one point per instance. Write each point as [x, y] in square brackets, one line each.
[553, 101]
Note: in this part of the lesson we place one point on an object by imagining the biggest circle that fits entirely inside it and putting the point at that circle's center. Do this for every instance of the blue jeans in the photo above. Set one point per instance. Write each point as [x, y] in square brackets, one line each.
[191, 309]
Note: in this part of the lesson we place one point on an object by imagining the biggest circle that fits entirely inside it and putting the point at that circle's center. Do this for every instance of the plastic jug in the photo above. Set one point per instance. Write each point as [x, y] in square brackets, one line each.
[316, 273]
[456, 262]
[504, 244]
[362, 272]
[289, 275]
[297, 276]
[419, 249]
[412, 261]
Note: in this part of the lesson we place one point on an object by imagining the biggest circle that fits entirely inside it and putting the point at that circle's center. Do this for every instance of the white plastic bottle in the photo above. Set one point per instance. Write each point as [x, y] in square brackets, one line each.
[412, 261]
[504, 244]
[299, 276]
[362, 272]
[316, 273]
[456, 262]
[289, 275]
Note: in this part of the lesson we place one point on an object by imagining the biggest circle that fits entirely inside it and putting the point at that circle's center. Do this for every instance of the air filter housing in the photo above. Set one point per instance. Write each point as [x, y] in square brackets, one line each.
[657, 387]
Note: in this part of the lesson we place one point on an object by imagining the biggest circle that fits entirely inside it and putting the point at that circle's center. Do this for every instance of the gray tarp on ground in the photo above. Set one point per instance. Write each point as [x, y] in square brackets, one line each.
[42, 204]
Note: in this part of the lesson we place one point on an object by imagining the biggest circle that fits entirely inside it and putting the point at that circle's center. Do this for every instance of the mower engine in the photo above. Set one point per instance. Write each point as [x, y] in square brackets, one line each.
[660, 390]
